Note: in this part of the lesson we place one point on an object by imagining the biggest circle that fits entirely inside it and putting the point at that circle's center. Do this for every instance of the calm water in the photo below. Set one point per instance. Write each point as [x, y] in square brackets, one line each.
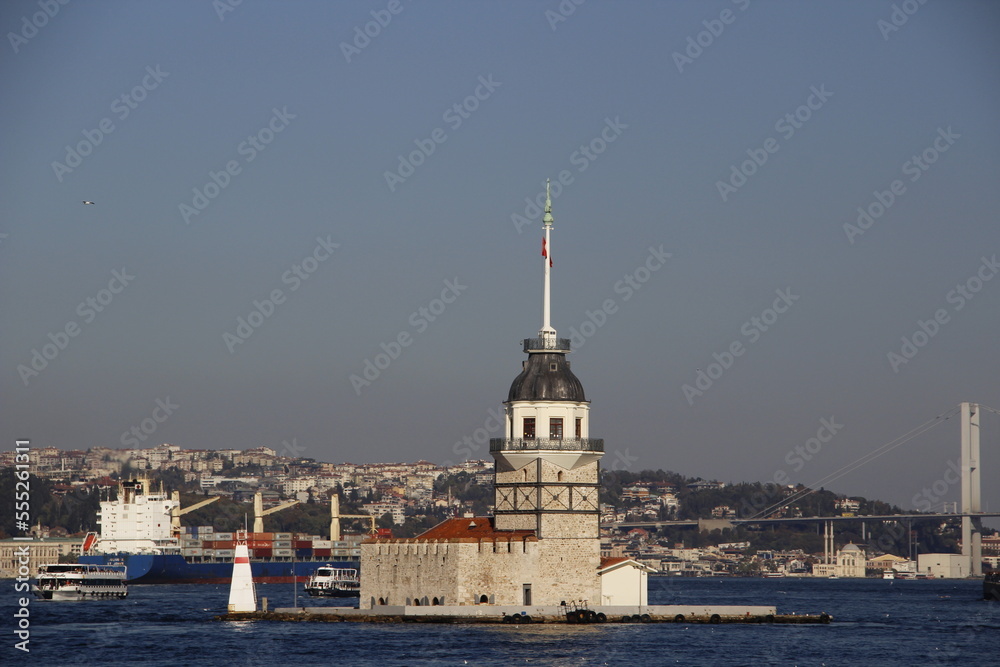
[876, 622]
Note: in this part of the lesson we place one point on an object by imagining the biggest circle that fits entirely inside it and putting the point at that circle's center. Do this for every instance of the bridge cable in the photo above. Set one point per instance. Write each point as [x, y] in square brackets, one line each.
[863, 460]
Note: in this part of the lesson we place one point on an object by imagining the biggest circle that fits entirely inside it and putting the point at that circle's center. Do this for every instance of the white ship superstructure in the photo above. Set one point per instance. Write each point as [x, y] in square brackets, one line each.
[138, 521]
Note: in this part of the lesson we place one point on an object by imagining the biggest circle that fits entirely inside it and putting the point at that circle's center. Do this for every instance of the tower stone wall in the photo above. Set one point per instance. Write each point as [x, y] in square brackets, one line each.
[415, 572]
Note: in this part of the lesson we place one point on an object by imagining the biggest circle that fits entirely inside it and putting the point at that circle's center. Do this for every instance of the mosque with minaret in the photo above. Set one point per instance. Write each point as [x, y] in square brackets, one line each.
[542, 544]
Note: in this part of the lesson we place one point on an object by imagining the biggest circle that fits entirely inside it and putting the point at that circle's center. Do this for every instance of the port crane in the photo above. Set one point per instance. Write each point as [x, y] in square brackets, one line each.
[176, 511]
[259, 512]
[336, 516]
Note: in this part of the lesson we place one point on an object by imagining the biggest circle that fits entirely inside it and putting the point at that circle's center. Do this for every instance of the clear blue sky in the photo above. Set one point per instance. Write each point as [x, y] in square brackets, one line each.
[153, 99]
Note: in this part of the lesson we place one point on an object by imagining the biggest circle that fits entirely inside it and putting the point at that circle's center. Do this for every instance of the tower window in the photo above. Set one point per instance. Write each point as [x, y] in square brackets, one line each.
[529, 428]
[556, 428]
[553, 367]
[579, 427]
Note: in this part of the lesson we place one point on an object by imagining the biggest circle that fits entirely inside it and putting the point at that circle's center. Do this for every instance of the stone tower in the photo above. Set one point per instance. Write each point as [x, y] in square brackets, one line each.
[542, 545]
[547, 465]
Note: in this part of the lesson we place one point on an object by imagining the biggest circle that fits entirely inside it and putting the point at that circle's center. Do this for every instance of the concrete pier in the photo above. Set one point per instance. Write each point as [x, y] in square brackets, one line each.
[534, 614]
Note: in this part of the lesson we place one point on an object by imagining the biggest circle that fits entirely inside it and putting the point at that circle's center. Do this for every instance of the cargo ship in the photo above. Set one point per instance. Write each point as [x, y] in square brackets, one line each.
[141, 530]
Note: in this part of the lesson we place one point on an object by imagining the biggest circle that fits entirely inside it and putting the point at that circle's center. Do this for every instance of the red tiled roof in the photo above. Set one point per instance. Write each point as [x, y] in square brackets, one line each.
[468, 530]
[608, 562]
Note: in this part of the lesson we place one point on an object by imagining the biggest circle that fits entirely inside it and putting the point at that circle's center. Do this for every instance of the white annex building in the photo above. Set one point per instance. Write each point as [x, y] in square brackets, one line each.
[542, 546]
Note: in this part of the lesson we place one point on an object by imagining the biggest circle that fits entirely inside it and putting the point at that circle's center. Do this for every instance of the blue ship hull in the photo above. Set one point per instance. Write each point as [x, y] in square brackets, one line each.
[174, 569]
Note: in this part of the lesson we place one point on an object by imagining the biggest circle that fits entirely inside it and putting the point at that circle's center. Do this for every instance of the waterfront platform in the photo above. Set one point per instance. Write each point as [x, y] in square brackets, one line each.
[533, 614]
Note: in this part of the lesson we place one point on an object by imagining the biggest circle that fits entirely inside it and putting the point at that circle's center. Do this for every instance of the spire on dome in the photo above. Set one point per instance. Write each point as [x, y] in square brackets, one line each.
[547, 333]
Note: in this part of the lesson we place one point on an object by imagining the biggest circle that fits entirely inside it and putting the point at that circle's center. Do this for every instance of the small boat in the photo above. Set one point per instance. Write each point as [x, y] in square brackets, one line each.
[774, 575]
[77, 581]
[334, 582]
[991, 586]
[833, 576]
[906, 575]
[888, 574]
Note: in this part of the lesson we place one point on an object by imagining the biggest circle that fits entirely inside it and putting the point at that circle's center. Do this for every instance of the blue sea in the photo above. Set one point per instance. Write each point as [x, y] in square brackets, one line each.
[876, 622]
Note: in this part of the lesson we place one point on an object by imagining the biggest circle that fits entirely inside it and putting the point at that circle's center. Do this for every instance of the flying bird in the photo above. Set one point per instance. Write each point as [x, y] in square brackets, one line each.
[87, 202]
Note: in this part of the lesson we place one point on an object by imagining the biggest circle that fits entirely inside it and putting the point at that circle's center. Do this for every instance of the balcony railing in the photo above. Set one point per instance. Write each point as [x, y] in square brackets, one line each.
[546, 344]
[564, 444]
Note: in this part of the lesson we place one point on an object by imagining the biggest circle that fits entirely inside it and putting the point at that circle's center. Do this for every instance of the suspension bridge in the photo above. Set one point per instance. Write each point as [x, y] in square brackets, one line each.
[969, 470]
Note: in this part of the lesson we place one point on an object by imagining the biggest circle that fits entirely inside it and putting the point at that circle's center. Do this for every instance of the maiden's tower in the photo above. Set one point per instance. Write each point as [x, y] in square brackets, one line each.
[542, 545]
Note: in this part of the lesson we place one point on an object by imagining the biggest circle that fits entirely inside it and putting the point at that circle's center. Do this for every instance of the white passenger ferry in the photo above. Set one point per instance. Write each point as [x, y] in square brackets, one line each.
[334, 582]
[76, 581]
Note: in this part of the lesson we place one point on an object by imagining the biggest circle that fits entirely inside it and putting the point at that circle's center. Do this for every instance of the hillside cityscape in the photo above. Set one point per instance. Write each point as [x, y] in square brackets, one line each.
[409, 498]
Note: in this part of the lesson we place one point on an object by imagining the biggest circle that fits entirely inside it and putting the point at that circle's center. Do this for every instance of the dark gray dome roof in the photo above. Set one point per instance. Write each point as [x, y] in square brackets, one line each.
[546, 377]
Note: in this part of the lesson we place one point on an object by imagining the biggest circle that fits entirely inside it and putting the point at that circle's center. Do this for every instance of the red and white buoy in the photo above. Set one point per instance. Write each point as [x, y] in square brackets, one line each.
[242, 596]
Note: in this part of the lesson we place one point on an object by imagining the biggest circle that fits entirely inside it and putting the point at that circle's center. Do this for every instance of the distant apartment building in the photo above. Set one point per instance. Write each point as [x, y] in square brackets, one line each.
[394, 507]
[295, 485]
[848, 506]
[635, 493]
[702, 485]
[723, 512]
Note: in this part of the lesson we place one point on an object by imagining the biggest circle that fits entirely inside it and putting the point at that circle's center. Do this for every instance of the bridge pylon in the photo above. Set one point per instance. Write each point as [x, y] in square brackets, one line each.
[972, 527]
